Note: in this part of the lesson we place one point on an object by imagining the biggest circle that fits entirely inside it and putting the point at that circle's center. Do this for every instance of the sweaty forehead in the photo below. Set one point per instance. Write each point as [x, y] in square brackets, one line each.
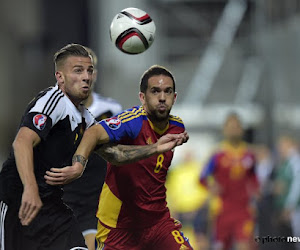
[160, 81]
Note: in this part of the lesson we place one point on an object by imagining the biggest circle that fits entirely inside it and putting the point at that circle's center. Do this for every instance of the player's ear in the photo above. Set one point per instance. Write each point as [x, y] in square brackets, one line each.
[142, 97]
[175, 97]
[59, 77]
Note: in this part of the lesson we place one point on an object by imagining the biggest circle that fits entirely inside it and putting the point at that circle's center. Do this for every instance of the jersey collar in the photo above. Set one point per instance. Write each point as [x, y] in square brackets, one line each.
[239, 150]
[157, 130]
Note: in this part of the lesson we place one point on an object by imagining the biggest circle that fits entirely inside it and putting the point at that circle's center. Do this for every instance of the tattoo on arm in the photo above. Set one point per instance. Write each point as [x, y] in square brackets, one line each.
[118, 154]
[80, 159]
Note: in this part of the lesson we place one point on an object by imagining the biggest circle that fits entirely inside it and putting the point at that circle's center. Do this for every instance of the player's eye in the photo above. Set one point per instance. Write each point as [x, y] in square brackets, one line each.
[78, 70]
[154, 91]
[169, 91]
[90, 71]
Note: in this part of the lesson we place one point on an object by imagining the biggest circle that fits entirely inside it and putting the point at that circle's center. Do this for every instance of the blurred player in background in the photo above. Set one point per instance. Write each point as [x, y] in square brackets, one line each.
[230, 173]
[82, 195]
[192, 206]
[132, 208]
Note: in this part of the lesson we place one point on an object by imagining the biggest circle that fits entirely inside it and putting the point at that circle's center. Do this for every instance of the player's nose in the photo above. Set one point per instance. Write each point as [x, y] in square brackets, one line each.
[162, 96]
[87, 77]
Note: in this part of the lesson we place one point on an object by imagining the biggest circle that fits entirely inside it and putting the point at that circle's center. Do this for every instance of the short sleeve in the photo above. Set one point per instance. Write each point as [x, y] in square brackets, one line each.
[125, 124]
[38, 122]
[44, 112]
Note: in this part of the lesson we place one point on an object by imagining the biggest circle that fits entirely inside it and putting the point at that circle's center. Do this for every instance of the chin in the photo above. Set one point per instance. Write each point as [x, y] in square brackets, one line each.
[162, 116]
[85, 95]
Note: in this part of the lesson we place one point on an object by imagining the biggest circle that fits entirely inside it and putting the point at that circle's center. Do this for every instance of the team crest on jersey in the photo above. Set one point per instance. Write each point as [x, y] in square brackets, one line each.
[39, 121]
[149, 141]
[113, 123]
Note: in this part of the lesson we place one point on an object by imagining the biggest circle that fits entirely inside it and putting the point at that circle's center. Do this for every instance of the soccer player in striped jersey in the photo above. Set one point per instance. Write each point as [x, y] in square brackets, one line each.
[132, 212]
[32, 214]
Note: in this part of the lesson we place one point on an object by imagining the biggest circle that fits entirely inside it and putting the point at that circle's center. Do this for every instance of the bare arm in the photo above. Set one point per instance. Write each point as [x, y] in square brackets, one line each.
[118, 154]
[92, 137]
[23, 145]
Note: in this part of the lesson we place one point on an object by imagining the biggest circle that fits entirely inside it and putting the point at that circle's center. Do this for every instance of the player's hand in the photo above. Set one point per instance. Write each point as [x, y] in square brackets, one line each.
[30, 205]
[170, 141]
[61, 176]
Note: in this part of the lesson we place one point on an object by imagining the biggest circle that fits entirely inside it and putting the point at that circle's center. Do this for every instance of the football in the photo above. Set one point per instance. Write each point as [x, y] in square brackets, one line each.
[132, 31]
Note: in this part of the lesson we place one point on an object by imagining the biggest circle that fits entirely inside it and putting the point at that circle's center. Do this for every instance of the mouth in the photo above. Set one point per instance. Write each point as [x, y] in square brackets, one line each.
[162, 108]
[86, 88]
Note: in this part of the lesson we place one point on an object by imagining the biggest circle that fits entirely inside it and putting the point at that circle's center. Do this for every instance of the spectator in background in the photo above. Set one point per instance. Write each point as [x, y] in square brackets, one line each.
[264, 172]
[82, 195]
[287, 186]
[230, 173]
[264, 166]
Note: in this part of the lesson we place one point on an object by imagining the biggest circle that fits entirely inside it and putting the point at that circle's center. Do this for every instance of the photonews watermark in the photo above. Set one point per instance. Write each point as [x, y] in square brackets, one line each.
[272, 239]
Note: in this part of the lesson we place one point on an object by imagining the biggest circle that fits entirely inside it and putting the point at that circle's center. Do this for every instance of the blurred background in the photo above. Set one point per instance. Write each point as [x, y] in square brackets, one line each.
[226, 55]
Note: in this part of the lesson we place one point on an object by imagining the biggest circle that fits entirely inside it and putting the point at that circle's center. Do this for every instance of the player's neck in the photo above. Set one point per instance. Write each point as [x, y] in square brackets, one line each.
[74, 100]
[159, 125]
[235, 143]
[88, 102]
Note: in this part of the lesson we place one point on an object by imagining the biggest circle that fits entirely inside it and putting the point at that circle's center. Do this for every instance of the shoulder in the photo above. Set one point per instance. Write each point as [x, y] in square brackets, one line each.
[132, 115]
[47, 101]
[176, 120]
[218, 151]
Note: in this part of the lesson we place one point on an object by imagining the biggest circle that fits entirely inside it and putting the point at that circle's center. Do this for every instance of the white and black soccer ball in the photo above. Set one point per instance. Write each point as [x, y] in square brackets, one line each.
[132, 30]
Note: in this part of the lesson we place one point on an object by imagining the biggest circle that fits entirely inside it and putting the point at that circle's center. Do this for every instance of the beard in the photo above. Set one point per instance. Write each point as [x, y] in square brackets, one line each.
[155, 115]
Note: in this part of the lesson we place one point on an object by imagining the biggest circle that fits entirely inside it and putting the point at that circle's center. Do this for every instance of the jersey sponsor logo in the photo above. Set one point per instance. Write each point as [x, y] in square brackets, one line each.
[113, 123]
[39, 121]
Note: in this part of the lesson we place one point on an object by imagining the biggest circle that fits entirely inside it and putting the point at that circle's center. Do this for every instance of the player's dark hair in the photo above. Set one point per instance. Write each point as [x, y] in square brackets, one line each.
[154, 70]
[72, 49]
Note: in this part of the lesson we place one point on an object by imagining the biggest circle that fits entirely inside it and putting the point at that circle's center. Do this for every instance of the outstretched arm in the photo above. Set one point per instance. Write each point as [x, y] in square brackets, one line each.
[118, 154]
[92, 137]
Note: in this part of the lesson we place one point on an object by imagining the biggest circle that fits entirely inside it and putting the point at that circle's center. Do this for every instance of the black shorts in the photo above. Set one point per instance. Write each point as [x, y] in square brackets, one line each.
[54, 228]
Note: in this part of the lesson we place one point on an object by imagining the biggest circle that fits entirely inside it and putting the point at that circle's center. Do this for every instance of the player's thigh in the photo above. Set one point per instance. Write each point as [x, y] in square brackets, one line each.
[55, 227]
[115, 239]
[244, 229]
[221, 226]
[11, 236]
[168, 236]
[69, 239]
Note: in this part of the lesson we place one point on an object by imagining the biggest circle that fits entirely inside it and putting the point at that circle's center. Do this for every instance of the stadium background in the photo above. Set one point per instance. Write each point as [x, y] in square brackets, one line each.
[226, 55]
